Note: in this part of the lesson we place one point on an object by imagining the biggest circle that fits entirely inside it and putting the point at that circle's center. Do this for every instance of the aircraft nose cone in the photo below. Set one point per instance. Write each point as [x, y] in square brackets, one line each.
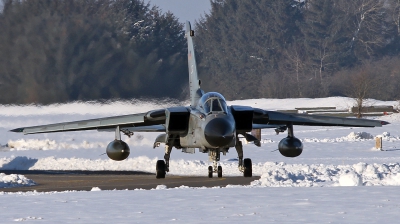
[219, 132]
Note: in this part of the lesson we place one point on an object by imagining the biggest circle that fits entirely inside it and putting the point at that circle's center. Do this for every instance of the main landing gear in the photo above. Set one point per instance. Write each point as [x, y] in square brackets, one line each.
[160, 169]
[162, 166]
[245, 166]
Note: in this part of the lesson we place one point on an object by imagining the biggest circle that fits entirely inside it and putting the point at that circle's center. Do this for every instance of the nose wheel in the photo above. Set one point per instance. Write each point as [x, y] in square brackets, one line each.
[215, 168]
[219, 171]
[211, 171]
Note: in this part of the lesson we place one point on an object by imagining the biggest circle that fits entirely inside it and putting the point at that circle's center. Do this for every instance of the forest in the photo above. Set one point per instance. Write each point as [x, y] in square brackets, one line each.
[65, 50]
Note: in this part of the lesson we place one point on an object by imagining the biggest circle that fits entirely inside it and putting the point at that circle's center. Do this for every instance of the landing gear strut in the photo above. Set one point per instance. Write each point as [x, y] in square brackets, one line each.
[245, 166]
[239, 150]
[168, 149]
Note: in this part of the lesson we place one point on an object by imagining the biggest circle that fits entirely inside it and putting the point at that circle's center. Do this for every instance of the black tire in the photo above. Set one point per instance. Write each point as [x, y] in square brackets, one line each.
[219, 171]
[160, 169]
[210, 172]
[248, 169]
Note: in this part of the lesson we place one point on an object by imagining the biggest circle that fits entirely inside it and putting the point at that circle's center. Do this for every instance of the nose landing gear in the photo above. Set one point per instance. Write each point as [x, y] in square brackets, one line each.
[214, 155]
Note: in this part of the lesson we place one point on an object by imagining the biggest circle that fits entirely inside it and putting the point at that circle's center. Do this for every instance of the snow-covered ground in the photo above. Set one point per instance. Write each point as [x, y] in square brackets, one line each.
[333, 157]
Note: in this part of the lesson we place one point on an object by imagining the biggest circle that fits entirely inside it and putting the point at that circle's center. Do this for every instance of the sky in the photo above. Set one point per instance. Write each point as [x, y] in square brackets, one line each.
[190, 10]
[183, 9]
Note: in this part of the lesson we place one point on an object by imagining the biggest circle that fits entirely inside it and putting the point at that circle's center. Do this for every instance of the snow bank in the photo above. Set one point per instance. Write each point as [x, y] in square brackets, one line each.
[353, 137]
[359, 135]
[46, 144]
[300, 175]
[29, 218]
[14, 180]
[350, 179]
[95, 189]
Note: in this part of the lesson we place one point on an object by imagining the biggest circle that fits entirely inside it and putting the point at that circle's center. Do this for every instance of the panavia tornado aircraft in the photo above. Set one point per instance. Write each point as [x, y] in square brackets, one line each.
[208, 124]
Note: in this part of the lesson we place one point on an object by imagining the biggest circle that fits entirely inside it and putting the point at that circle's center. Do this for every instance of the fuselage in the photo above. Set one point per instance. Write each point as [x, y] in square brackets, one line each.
[211, 124]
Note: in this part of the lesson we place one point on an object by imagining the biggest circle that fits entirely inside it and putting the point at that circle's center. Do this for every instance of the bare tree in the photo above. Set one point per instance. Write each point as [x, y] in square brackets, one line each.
[361, 84]
[295, 65]
[393, 7]
[325, 61]
[367, 18]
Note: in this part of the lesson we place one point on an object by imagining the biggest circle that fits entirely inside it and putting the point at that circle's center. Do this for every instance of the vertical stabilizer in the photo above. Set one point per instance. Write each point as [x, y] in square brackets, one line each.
[194, 82]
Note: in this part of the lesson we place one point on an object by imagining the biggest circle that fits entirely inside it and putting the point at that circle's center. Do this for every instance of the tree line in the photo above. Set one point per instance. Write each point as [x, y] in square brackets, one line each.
[291, 48]
[65, 50]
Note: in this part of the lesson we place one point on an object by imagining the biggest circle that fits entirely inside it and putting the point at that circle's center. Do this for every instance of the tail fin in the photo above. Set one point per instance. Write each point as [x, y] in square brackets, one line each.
[194, 82]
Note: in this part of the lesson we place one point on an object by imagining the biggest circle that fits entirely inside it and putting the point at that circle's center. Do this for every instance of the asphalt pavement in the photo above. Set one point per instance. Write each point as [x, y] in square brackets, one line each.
[120, 180]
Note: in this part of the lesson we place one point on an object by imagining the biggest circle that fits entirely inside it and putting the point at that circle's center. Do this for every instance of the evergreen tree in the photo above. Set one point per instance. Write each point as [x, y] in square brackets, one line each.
[57, 51]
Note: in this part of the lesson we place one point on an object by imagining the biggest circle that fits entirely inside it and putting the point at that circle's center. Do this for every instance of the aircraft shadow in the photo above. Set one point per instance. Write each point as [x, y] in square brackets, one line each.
[19, 163]
[22, 164]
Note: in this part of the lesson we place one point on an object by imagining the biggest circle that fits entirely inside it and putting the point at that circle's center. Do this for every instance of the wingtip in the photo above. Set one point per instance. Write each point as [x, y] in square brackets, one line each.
[384, 123]
[18, 130]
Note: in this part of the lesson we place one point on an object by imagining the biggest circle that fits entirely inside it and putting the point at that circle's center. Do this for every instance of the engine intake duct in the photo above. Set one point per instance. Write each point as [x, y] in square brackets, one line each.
[177, 120]
[243, 118]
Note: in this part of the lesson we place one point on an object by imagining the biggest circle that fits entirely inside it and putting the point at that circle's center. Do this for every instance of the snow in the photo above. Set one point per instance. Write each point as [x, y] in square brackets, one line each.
[216, 205]
[339, 178]
[14, 180]
[320, 175]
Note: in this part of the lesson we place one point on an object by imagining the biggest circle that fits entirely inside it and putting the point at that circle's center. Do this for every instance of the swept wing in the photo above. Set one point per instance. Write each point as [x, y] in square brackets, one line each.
[150, 121]
[279, 118]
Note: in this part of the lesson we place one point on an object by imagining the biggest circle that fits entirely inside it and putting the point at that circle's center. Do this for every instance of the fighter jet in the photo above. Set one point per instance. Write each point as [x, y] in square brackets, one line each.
[208, 124]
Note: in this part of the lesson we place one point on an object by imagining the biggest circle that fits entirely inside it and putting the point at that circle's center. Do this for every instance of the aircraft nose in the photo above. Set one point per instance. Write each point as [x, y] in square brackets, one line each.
[219, 132]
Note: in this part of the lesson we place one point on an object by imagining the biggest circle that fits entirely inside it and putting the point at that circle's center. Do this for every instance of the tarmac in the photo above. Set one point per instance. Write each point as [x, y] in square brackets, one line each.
[48, 181]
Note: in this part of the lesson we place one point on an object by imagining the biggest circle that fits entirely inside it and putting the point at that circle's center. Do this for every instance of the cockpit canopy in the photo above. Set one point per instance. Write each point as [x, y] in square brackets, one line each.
[213, 102]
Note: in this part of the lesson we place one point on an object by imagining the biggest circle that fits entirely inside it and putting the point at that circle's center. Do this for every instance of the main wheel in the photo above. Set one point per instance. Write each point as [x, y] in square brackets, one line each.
[210, 172]
[248, 170]
[219, 171]
[160, 169]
